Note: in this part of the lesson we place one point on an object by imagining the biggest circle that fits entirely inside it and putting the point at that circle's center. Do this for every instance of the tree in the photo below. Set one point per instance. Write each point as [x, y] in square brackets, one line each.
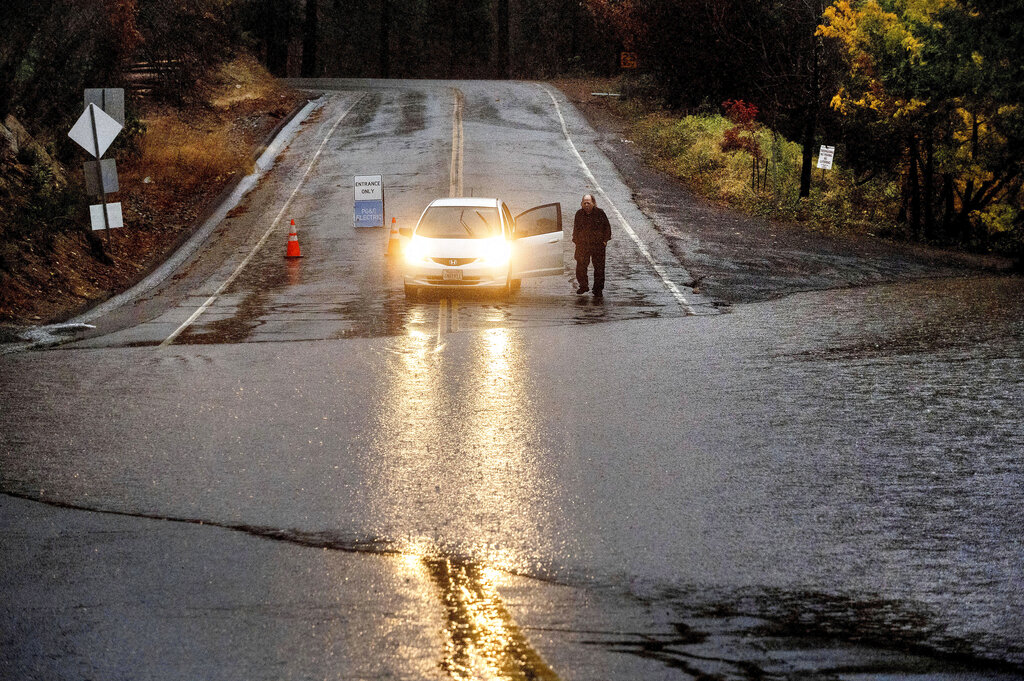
[936, 81]
[53, 49]
[700, 52]
[270, 23]
[310, 39]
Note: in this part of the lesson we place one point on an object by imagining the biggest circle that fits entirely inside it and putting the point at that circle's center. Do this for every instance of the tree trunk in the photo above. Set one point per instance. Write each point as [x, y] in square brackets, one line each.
[310, 40]
[949, 209]
[810, 128]
[811, 125]
[277, 34]
[967, 202]
[914, 187]
[503, 39]
[901, 217]
[929, 189]
[450, 68]
[574, 33]
[384, 48]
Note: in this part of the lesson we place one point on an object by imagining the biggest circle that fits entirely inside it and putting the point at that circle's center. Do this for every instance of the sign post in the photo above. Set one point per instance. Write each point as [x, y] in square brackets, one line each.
[369, 200]
[109, 99]
[94, 131]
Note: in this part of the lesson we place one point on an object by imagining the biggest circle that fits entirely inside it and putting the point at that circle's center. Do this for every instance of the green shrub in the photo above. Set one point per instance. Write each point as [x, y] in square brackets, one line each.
[690, 147]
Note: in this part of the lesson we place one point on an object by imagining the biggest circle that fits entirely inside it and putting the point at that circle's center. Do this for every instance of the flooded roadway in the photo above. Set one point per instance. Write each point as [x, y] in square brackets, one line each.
[826, 486]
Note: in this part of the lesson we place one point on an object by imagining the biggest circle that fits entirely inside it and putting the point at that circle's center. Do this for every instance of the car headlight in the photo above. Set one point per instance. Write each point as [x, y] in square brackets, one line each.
[496, 252]
[416, 251]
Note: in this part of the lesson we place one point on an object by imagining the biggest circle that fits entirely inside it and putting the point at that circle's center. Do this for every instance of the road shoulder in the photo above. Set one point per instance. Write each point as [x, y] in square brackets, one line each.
[735, 258]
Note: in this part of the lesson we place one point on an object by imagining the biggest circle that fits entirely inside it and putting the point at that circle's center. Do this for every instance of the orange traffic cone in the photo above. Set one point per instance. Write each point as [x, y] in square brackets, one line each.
[394, 241]
[293, 244]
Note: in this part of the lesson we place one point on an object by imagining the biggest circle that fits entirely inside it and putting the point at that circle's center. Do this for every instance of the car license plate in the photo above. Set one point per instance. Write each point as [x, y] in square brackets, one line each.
[452, 274]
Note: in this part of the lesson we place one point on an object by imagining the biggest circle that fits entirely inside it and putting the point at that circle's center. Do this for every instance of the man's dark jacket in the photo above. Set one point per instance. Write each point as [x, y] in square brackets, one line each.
[591, 230]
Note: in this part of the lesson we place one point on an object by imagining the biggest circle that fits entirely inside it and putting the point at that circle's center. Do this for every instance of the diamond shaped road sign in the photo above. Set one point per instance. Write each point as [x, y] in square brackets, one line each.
[95, 130]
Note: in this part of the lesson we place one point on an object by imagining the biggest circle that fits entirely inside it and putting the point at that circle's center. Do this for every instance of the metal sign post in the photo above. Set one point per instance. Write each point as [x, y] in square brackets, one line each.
[99, 172]
[94, 131]
[109, 99]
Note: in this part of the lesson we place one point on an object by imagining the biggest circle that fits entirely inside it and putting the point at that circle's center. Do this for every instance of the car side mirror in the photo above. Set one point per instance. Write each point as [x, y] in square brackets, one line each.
[405, 231]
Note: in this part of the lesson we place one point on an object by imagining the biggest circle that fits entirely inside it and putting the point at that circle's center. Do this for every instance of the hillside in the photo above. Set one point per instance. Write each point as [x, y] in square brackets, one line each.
[172, 162]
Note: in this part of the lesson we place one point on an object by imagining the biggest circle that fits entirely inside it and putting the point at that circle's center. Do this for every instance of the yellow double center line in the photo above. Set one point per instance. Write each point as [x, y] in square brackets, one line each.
[446, 323]
[455, 176]
[447, 318]
[483, 640]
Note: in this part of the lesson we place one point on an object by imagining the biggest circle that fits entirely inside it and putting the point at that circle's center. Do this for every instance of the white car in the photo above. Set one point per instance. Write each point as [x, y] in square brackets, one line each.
[476, 243]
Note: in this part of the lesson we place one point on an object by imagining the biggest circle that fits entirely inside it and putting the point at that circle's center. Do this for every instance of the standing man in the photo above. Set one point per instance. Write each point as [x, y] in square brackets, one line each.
[591, 231]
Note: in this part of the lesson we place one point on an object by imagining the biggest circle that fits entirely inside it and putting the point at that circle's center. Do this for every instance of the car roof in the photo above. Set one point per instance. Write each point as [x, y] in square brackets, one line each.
[466, 201]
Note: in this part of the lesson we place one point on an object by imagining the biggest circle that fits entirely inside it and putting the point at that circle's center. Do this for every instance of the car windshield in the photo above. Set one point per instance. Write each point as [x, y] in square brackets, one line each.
[460, 222]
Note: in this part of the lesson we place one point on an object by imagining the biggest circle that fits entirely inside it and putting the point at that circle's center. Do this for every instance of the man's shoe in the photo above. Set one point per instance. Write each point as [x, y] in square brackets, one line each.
[598, 294]
[581, 290]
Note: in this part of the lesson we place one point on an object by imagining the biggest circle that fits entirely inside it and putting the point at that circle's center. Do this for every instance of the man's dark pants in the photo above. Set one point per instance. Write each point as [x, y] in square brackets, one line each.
[584, 255]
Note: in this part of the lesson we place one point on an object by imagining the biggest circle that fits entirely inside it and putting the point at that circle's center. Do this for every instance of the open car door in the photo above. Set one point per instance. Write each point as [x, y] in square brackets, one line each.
[537, 248]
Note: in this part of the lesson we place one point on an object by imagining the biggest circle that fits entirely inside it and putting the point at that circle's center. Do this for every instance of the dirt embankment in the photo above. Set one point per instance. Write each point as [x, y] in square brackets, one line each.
[736, 258]
[185, 158]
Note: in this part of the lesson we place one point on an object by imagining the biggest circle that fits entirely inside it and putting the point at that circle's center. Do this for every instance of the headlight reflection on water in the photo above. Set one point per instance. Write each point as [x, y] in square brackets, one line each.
[456, 492]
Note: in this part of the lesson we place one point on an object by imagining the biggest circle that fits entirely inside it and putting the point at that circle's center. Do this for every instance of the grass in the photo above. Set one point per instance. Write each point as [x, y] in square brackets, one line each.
[187, 150]
[689, 147]
[241, 80]
[173, 153]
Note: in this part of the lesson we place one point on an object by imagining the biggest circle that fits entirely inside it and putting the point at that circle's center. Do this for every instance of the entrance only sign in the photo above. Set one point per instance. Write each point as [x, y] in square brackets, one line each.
[369, 200]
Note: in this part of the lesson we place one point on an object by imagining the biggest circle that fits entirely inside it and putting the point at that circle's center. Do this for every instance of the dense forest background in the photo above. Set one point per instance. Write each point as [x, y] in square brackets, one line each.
[54, 48]
[924, 95]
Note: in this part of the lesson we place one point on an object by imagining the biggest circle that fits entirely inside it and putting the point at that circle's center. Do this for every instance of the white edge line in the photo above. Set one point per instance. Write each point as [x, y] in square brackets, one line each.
[273, 225]
[669, 284]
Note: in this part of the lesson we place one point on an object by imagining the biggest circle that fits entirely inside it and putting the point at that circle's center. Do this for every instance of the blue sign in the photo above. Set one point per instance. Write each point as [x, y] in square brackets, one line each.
[369, 214]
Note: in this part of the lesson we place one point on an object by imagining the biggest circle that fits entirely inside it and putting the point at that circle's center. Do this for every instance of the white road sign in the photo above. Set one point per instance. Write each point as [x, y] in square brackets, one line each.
[108, 171]
[369, 188]
[110, 99]
[825, 157]
[114, 217]
[106, 129]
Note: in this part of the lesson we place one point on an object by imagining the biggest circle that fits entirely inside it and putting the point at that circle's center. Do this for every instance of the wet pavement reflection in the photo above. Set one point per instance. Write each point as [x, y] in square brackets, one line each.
[455, 474]
[798, 477]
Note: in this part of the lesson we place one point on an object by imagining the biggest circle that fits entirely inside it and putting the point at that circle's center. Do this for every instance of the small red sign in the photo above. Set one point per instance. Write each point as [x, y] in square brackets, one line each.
[628, 60]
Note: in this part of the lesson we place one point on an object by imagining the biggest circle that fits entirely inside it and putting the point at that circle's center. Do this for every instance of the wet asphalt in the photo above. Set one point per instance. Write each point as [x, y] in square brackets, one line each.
[318, 478]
